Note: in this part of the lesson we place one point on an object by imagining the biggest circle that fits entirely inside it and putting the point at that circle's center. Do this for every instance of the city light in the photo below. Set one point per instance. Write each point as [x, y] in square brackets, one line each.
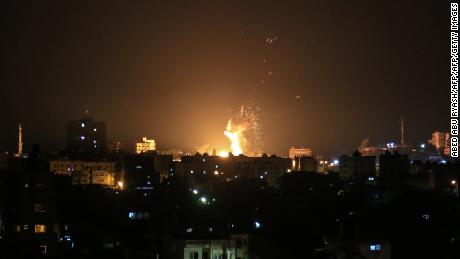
[257, 224]
[120, 184]
[453, 182]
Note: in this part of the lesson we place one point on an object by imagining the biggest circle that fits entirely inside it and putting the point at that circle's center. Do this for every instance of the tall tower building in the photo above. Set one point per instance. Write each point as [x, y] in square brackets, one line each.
[19, 154]
[86, 136]
[441, 141]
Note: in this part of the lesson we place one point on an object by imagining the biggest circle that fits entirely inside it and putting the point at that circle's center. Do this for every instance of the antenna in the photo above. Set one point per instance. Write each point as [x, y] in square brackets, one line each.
[19, 154]
[402, 130]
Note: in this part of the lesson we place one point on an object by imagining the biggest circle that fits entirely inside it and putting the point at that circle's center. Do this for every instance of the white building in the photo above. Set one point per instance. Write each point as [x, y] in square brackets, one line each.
[145, 145]
[233, 248]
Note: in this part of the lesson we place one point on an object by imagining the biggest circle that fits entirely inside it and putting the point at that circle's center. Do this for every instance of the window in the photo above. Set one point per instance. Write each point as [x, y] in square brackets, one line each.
[43, 249]
[375, 247]
[193, 255]
[40, 208]
[40, 228]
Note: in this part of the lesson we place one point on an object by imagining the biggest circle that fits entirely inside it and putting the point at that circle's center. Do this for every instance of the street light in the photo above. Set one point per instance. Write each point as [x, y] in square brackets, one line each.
[455, 184]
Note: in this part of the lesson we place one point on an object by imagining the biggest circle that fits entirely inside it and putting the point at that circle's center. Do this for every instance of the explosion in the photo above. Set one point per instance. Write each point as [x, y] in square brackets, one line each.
[234, 133]
[244, 131]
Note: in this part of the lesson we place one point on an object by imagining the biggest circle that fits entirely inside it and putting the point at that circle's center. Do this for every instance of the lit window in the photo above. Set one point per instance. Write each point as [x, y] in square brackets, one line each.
[375, 247]
[40, 228]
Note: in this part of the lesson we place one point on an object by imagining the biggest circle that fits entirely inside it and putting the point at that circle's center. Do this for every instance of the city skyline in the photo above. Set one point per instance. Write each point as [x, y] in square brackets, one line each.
[324, 76]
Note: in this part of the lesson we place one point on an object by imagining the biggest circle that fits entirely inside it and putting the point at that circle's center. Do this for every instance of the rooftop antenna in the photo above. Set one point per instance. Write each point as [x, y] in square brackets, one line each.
[402, 130]
[19, 154]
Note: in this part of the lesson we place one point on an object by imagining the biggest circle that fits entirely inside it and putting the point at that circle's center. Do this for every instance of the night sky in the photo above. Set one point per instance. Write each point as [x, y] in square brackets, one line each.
[341, 71]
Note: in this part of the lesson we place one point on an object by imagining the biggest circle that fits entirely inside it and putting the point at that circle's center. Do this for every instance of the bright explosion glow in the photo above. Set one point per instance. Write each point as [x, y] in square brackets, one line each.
[234, 134]
[223, 154]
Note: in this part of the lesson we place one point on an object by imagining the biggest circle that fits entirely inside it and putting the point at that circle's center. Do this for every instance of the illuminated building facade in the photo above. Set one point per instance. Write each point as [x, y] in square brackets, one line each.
[234, 247]
[145, 146]
[68, 167]
[299, 152]
[93, 177]
[86, 136]
[441, 141]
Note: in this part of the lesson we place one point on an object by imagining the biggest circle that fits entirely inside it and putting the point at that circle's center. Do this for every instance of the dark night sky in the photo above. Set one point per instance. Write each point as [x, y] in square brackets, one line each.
[177, 71]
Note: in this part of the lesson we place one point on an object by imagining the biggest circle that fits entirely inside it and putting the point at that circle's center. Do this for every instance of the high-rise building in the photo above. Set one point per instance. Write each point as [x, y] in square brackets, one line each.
[441, 141]
[357, 167]
[145, 146]
[86, 136]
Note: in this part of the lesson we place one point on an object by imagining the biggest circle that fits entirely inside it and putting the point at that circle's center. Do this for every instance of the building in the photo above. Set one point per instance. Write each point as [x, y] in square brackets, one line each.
[304, 163]
[143, 172]
[357, 167]
[299, 152]
[30, 222]
[145, 146]
[94, 177]
[394, 167]
[234, 247]
[68, 167]
[441, 141]
[86, 136]
[203, 170]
